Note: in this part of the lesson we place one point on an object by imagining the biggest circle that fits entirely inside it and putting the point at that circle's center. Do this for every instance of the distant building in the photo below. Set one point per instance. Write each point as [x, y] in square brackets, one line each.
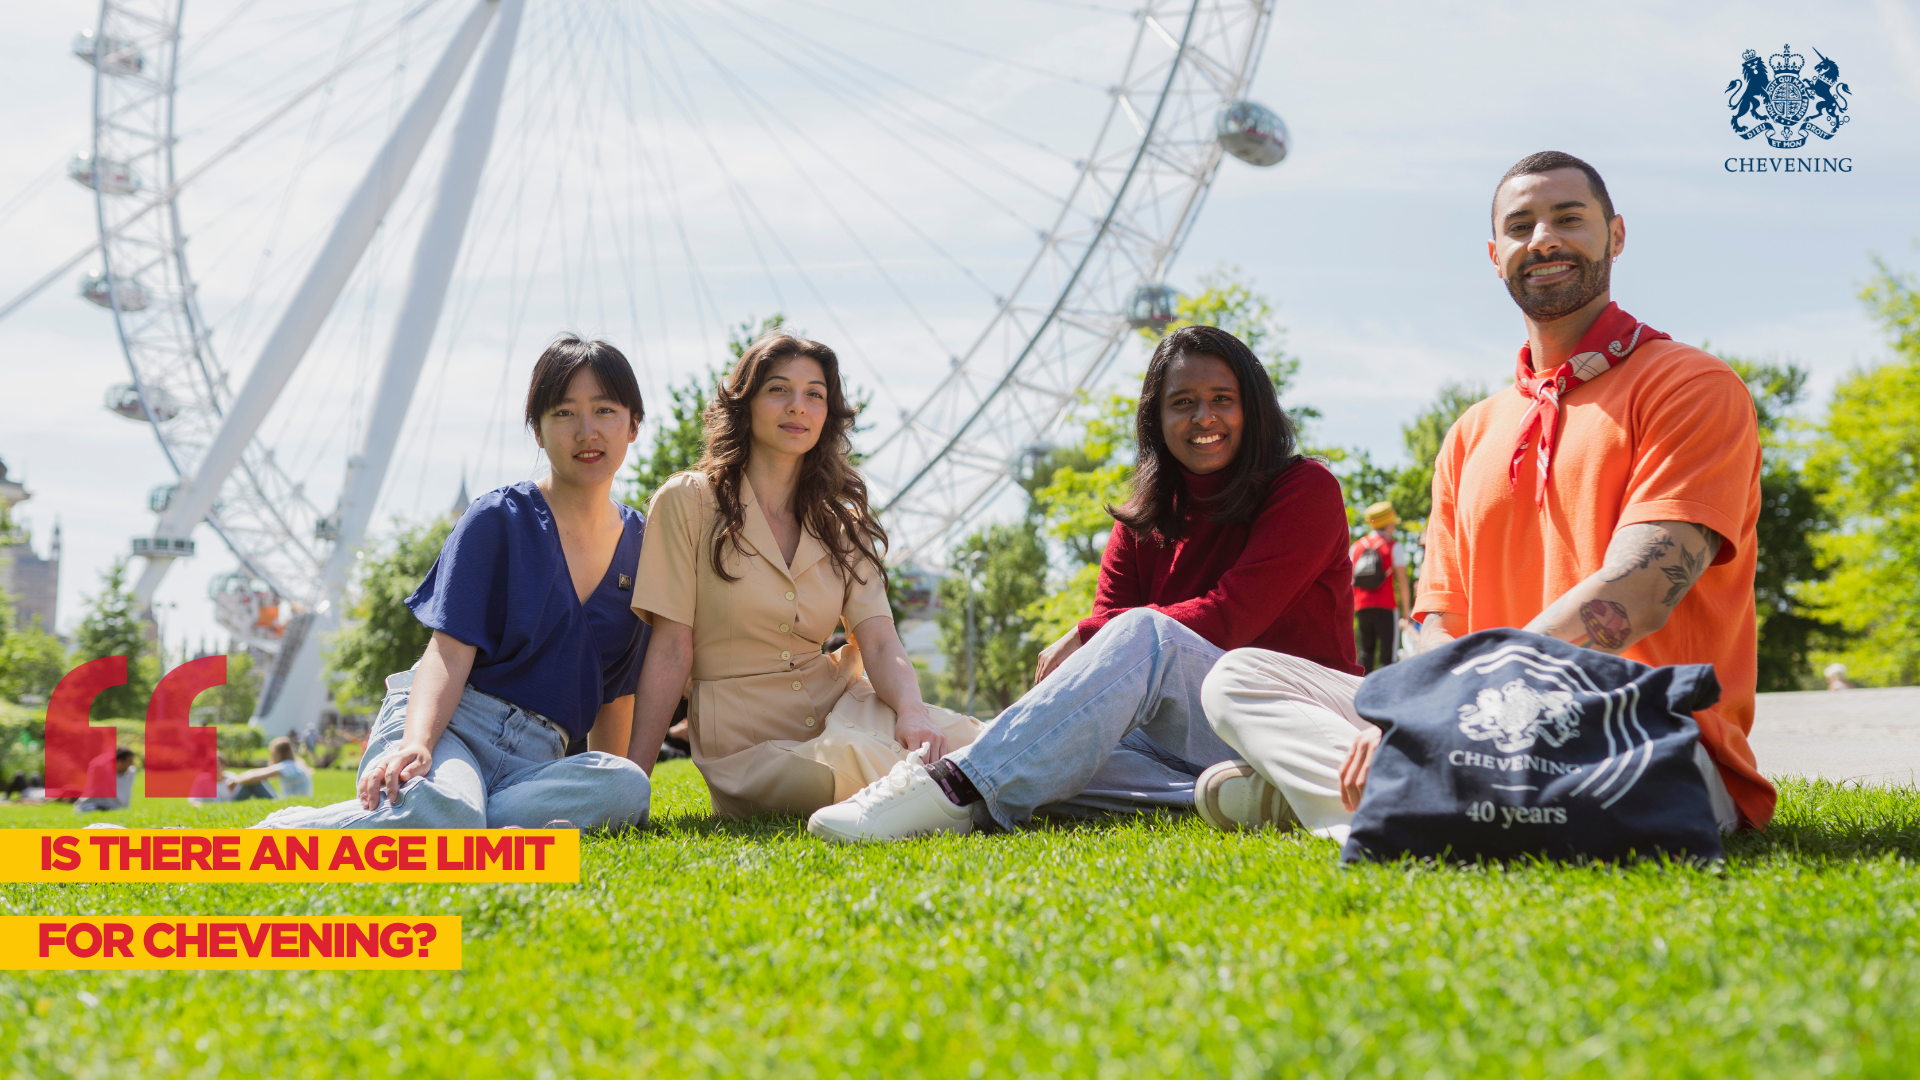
[32, 582]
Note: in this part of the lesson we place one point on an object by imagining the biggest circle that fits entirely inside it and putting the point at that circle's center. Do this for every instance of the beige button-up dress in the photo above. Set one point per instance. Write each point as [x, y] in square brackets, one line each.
[776, 725]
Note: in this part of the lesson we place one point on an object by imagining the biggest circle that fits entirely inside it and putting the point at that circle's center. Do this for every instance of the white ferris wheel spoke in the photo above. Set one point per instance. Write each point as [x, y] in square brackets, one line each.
[642, 148]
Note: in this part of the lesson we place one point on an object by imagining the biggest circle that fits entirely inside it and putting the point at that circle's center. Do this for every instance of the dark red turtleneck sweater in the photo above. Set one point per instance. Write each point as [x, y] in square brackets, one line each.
[1282, 582]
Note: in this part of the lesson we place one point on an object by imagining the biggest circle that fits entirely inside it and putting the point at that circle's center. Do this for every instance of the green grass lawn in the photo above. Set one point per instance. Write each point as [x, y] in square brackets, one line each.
[1137, 947]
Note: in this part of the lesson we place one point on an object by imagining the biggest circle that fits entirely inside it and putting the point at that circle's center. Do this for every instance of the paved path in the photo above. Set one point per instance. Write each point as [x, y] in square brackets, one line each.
[1867, 735]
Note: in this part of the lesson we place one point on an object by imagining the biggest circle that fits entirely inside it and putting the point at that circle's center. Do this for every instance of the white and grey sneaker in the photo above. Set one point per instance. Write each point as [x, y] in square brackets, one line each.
[1231, 797]
[906, 802]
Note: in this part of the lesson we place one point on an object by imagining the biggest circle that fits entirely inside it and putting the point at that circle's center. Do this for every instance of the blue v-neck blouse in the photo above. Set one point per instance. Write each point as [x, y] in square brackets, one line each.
[501, 585]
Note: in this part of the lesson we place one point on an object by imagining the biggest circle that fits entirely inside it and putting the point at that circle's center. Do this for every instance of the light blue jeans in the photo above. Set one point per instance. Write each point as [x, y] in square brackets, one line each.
[1118, 727]
[496, 766]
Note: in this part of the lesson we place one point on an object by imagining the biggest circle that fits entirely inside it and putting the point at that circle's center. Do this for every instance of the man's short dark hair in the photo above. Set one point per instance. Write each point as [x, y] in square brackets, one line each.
[122, 754]
[1548, 161]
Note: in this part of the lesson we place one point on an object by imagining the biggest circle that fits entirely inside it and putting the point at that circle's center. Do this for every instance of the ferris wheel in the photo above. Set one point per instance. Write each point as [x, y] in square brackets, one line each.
[656, 170]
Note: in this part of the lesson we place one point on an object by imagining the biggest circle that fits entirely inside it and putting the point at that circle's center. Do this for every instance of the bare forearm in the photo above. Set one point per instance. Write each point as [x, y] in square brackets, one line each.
[662, 680]
[888, 668]
[1649, 568]
[437, 685]
[612, 727]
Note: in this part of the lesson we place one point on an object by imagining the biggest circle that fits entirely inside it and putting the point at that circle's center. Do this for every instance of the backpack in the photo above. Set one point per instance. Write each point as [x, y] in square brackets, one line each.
[1370, 569]
[1504, 744]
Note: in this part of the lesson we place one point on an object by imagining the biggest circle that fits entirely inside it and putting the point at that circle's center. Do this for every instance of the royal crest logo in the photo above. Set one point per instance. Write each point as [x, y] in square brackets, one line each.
[1779, 103]
[1517, 715]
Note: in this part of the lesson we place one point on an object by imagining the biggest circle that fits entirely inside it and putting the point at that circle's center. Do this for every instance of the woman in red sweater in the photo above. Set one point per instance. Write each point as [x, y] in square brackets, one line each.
[1231, 539]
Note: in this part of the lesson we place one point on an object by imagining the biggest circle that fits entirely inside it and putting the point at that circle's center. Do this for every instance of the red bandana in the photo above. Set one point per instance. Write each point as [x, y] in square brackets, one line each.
[1615, 332]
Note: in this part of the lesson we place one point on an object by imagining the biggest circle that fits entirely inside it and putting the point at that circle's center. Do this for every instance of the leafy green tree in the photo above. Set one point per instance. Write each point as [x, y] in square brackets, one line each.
[31, 660]
[1010, 579]
[1411, 490]
[1362, 483]
[1865, 468]
[113, 627]
[233, 703]
[381, 635]
[1791, 515]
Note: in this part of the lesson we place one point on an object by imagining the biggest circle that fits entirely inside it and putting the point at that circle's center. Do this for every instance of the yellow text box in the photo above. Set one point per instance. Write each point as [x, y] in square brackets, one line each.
[274, 856]
[229, 942]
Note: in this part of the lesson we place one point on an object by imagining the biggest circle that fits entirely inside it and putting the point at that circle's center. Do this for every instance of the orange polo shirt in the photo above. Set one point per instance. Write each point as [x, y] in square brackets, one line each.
[1667, 435]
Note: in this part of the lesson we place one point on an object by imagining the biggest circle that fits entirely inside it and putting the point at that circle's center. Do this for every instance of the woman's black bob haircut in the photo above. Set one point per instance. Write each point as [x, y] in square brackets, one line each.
[563, 360]
[1160, 502]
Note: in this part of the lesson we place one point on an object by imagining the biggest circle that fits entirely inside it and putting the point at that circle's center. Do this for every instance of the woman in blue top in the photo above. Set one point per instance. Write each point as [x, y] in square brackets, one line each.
[533, 639]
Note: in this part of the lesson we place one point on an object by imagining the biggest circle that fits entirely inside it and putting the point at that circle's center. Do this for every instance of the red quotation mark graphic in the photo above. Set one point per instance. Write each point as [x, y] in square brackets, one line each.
[181, 759]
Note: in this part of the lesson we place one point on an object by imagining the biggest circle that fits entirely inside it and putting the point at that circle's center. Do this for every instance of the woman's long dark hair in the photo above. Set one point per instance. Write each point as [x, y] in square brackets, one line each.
[830, 498]
[1160, 502]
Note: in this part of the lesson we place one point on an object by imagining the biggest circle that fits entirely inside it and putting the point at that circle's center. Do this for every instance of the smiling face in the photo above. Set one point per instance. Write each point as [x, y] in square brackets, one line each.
[586, 433]
[1553, 244]
[1200, 412]
[790, 408]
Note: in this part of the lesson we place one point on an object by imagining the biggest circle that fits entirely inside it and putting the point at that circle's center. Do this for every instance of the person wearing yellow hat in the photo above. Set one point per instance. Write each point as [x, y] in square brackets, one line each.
[1379, 587]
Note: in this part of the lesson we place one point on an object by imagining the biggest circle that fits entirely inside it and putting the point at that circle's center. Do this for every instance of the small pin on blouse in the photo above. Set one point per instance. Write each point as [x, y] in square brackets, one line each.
[626, 583]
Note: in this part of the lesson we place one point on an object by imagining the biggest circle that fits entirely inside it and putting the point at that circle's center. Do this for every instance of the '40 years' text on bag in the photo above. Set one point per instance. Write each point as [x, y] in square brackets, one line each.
[1504, 744]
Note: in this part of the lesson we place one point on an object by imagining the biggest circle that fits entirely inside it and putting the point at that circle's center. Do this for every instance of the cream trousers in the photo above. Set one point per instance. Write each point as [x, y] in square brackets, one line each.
[1294, 722]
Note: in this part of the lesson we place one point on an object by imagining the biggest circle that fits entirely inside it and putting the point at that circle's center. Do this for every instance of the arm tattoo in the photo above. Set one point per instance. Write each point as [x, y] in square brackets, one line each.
[1650, 545]
[1681, 577]
[1606, 622]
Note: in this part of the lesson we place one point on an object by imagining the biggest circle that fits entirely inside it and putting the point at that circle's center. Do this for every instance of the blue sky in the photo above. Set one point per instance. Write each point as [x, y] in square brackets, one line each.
[1370, 237]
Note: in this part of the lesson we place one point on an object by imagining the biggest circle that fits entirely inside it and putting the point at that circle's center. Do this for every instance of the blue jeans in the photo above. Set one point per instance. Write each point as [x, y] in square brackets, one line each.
[496, 766]
[1118, 727]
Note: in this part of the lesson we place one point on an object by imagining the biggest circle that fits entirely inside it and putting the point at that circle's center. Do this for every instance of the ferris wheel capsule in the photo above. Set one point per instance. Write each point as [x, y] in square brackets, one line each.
[248, 607]
[1252, 132]
[1153, 307]
[128, 293]
[124, 399]
[110, 55]
[113, 177]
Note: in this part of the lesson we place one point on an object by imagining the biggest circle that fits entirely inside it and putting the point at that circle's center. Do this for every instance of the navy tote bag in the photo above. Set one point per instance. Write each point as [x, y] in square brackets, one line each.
[1504, 744]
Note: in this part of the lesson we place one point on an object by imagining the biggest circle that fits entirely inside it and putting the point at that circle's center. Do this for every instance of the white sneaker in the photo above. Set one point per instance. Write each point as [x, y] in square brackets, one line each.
[1230, 797]
[904, 803]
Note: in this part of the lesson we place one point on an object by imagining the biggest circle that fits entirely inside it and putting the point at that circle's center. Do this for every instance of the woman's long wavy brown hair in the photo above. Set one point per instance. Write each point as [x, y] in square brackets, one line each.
[830, 498]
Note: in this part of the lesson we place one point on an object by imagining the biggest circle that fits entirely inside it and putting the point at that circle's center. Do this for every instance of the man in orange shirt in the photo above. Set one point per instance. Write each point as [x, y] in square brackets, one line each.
[1609, 498]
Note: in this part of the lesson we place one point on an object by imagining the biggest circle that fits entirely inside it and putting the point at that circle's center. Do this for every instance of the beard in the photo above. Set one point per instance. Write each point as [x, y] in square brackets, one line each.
[1545, 303]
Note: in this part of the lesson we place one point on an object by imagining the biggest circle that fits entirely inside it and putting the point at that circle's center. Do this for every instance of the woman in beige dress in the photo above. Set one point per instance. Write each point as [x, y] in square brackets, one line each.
[750, 563]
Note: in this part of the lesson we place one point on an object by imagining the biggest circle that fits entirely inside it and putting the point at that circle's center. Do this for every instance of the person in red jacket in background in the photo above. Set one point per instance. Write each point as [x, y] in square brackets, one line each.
[1231, 539]
[1380, 599]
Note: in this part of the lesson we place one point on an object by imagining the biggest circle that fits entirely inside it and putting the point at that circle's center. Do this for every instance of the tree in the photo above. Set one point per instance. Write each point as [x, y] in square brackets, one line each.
[679, 442]
[1363, 483]
[1411, 490]
[1010, 579]
[1791, 515]
[1865, 468]
[233, 702]
[31, 660]
[381, 635]
[114, 627]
